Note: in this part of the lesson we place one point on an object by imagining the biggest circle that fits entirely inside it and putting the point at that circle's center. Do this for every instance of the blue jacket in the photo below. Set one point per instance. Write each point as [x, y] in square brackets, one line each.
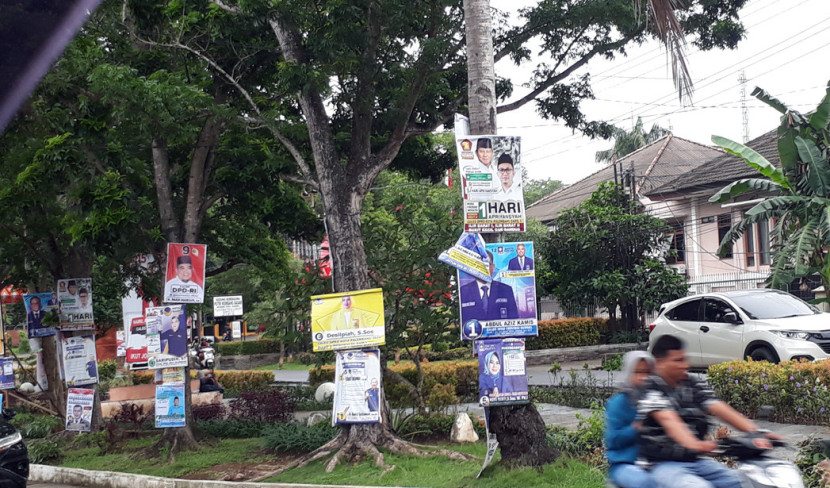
[620, 436]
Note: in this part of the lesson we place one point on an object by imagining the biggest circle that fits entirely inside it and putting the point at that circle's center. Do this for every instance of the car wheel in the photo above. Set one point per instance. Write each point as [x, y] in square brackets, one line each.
[764, 353]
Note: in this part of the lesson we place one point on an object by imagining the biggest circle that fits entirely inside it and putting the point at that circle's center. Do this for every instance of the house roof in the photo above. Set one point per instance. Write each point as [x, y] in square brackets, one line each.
[653, 165]
[720, 171]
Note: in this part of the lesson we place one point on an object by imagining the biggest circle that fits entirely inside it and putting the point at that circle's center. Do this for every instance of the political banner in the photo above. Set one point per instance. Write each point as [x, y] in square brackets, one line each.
[227, 306]
[357, 388]
[80, 363]
[185, 276]
[491, 183]
[2, 336]
[506, 307]
[75, 299]
[41, 307]
[79, 403]
[170, 406]
[502, 372]
[137, 341]
[166, 336]
[6, 373]
[236, 329]
[350, 320]
[172, 375]
[469, 254]
[120, 343]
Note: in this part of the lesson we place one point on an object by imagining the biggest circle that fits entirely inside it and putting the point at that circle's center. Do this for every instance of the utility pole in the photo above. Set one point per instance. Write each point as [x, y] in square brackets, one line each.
[744, 111]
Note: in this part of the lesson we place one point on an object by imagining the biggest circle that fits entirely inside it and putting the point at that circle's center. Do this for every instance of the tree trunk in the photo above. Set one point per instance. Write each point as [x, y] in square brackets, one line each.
[57, 391]
[521, 433]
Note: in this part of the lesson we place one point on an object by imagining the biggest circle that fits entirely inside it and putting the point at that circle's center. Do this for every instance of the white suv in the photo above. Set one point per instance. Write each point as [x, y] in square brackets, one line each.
[762, 324]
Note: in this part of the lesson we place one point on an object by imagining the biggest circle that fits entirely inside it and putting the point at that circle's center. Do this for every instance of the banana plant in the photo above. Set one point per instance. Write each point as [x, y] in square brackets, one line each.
[798, 192]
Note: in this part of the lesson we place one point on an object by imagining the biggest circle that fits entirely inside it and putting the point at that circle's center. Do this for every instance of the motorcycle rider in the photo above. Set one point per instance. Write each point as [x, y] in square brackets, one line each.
[674, 425]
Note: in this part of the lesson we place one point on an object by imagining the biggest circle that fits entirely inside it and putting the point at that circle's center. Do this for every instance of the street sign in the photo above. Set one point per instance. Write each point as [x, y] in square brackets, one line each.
[227, 306]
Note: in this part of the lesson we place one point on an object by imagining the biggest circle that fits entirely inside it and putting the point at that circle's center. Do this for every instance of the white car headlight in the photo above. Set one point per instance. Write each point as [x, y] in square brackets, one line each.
[9, 441]
[792, 334]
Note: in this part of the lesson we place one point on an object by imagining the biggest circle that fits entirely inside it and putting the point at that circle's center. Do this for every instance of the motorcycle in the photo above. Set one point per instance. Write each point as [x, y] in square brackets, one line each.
[203, 356]
[14, 457]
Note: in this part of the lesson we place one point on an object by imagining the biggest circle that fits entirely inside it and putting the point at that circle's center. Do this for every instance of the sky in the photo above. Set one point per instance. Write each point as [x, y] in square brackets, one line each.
[785, 51]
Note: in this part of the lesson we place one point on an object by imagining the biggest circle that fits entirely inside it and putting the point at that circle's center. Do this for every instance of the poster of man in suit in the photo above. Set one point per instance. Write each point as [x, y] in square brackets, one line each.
[185, 273]
[75, 298]
[166, 328]
[350, 320]
[505, 307]
[36, 311]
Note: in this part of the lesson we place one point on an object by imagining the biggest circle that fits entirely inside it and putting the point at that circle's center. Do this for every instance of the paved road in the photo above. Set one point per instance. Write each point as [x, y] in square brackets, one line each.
[49, 485]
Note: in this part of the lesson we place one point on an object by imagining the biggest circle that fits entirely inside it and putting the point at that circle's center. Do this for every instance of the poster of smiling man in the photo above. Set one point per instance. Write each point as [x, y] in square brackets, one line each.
[348, 320]
[502, 372]
[75, 299]
[166, 329]
[185, 277]
[80, 363]
[41, 307]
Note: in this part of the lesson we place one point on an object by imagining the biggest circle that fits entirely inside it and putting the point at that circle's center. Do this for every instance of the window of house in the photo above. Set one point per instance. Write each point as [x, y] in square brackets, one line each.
[757, 241]
[763, 241]
[749, 240]
[724, 224]
[677, 244]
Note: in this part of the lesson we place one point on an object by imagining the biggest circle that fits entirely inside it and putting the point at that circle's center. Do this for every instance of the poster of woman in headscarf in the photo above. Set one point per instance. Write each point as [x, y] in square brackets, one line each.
[502, 372]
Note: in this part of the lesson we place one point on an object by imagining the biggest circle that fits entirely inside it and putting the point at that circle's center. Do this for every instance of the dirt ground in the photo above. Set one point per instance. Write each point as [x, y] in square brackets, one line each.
[241, 471]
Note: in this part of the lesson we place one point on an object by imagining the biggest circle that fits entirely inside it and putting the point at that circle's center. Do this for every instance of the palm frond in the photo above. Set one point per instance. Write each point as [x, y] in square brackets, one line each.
[670, 32]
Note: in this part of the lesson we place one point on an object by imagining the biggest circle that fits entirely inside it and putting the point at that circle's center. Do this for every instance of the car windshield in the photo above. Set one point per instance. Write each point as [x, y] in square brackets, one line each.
[772, 305]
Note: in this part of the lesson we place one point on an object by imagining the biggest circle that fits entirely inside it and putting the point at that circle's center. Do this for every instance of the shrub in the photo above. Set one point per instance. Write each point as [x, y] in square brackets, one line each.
[106, 371]
[433, 427]
[263, 406]
[228, 348]
[577, 391]
[24, 347]
[231, 428]
[44, 450]
[293, 437]
[306, 358]
[260, 346]
[238, 381]
[811, 453]
[796, 391]
[209, 412]
[568, 333]
[584, 443]
[440, 347]
[441, 397]
[34, 426]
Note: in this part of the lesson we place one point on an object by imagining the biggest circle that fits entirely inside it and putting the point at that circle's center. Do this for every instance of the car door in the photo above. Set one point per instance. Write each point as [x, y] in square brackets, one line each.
[684, 320]
[720, 340]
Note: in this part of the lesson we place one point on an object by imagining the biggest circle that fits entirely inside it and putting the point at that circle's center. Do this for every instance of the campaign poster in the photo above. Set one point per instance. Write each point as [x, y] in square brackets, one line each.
[170, 406]
[137, 341]
[350, 320]
[6, 373]
[502, 372]
[506, 307]
[75, 299]
[357, 388]
[469, 254]
[80, 363]
[491, 183]
[166, 336]
[41, 307]
[79, 403]
[236, 329]
[120, 343]
[172, 375]
[227, 306]
[185, 276]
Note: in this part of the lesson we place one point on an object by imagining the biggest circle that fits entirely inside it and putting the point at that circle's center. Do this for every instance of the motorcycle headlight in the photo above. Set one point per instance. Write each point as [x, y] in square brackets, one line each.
[792, 334]
[8, 441]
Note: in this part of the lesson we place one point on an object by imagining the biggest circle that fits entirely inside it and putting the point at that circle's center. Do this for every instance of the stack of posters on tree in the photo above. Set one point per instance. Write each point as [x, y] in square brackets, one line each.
[137, 341]
[80, 364]
[120, 343]
[469, 254]
[75, 298]
[79, 409]
[170, 406]
[349, 320]
[502, 372]
[505, 307]
[357, 392]
[6, 373]
[491, 183]
[185, 277]
[166, 336]
[40, 308]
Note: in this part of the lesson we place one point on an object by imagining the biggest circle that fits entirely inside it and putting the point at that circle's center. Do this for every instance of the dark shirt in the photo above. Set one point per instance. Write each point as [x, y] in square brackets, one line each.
[174, 342]
[373, 399]
[690, 399]
[92, 369]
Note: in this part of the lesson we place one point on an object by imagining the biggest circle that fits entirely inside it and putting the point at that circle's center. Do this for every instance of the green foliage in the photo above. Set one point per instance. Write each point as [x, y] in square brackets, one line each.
[297, 438]
[45, 451]
[604, 251]
[231, 428]
[535, 190]
[584, 443]
[24, 347]
[573, 390]
[626, 142]
[612, 363]
[811, 452]
[35, 426]
[798, 193]
[568, 333]
[429, 427]
[440, 347]
[245, 348]
[441, 397]
[106, 370]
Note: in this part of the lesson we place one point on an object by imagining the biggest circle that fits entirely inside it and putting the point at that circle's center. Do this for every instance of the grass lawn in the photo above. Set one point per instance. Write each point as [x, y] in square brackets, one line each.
[440, 472]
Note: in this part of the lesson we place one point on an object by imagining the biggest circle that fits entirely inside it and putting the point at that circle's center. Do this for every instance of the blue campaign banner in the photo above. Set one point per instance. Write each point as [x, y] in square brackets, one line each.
[40, 306]
[469, 254]
[502, 372]
[506, 307]
[6, 373]
[170, 406]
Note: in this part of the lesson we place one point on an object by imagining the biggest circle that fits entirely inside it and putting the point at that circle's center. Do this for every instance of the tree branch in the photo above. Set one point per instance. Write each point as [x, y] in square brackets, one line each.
[227, 8]
[225, 267]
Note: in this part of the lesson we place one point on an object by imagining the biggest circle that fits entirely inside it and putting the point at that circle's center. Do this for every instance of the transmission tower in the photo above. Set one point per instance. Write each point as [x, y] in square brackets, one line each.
[744, 110]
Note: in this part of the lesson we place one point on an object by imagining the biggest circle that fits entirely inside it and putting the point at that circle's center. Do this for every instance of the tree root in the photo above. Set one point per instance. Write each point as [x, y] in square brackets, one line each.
[357, 441]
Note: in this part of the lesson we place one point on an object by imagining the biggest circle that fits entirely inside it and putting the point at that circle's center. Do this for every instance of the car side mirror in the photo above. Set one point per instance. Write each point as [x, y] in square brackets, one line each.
[732, 318]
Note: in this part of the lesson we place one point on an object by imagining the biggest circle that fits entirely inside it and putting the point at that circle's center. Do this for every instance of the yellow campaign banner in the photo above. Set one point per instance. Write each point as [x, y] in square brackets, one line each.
[351, 320]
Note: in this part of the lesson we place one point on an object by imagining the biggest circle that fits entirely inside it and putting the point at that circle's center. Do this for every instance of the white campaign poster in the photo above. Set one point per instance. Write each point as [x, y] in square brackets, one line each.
[79, 409]
[120, 343]
[80, 364]
[166, 336]
[236, 329]
[357, 387]
[75, 299]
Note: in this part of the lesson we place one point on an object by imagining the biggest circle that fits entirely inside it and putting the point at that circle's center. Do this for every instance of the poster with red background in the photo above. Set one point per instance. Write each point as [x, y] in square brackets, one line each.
[185, 273]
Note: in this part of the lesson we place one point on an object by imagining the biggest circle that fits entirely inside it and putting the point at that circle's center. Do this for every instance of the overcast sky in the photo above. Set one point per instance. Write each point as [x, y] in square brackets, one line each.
[786, 52]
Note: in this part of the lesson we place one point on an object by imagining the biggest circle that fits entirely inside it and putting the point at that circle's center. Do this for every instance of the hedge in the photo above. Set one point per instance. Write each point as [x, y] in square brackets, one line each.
[797, 391]
[463, 375]
[260, 346]
[568, 333]
[230, 380]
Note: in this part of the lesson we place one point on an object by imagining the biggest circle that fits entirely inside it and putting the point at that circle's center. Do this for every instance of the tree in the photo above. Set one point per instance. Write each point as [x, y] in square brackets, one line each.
[798, 190]
[606, 251]
[535, 190]
[626, 142]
